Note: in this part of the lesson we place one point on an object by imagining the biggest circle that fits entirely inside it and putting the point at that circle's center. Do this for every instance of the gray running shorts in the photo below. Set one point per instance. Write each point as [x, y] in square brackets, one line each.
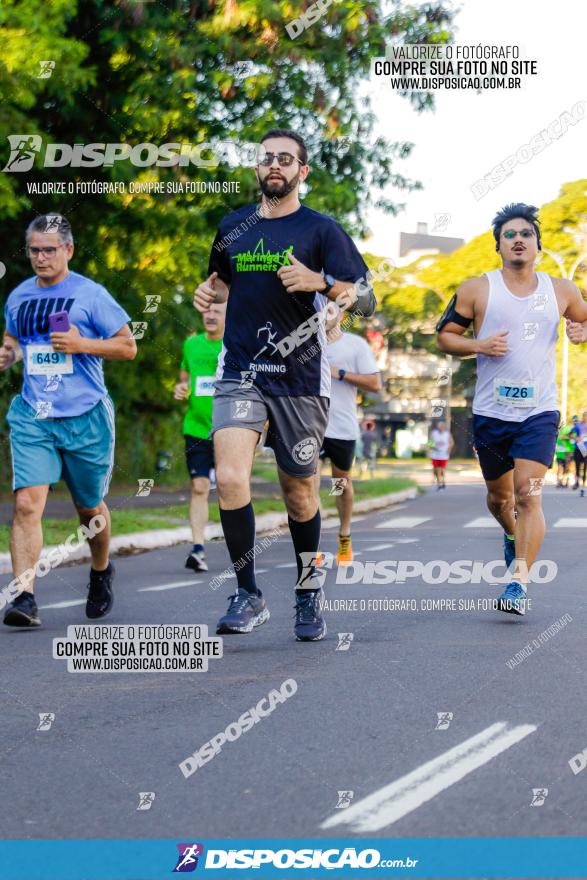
[296, 424]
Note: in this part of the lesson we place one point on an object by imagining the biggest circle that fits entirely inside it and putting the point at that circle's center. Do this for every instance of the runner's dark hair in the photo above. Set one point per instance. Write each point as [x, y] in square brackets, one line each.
[517, 210]
[292, 135]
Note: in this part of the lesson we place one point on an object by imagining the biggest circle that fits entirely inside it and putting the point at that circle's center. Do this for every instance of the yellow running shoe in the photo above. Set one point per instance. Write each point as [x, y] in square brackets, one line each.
[345, 550]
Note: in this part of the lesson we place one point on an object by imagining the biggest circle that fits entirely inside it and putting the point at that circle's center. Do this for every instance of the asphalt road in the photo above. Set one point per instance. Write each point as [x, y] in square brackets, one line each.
[363, 719]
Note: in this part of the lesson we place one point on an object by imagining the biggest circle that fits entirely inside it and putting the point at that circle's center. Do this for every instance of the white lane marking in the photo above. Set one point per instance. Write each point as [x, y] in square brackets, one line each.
[332, 521]
[287, 565]
[407, 540]
[396, 800]
[482, 522]
[173, 586]
[571, 522]
[380, 547]
[261, 570]
[68, 604]
[403, 522]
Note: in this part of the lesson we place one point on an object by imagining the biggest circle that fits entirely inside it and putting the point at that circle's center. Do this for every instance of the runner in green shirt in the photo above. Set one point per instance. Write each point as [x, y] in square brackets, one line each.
[196, 383]
[563, 453]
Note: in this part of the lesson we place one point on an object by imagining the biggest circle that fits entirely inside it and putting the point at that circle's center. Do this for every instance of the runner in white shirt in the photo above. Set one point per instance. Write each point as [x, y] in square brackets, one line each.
[441, 445]
[353, 366]
[516, 313]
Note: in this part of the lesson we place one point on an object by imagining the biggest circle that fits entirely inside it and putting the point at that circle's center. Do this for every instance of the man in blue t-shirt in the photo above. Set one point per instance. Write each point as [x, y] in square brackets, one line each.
[61, 325]
[281, 262]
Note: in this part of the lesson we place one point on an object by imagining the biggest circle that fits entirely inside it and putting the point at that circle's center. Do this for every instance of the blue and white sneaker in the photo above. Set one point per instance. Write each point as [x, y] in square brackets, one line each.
[245, 612]
[513, 599]
[310, 625]
[509, 550]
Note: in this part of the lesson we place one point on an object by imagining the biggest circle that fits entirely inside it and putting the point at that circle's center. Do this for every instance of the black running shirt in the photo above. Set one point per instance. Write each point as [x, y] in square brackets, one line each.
[274, 337]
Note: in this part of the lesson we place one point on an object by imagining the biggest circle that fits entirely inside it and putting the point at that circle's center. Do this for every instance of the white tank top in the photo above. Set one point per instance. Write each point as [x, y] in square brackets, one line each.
[522, 383]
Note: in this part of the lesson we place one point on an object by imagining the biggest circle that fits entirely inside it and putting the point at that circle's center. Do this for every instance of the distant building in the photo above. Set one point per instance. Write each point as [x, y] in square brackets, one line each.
[415, 244]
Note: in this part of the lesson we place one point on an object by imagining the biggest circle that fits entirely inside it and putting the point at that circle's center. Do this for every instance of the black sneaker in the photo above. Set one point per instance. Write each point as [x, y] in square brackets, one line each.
[22, 611]
[310, 626]
[100, 596]
[245, 611]
[197, 561]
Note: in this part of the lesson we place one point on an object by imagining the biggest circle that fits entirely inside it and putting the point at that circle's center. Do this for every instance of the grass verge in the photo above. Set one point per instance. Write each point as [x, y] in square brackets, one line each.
[144, 519]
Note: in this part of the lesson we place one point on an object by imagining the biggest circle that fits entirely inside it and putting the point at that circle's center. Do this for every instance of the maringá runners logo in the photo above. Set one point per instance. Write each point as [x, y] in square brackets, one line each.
[261, 260]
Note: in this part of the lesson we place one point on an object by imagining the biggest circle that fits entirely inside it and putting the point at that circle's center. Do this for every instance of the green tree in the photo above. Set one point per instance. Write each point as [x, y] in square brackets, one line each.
[188, 71]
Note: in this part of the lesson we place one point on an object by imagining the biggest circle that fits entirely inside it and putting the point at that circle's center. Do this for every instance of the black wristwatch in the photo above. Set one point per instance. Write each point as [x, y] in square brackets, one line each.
[330, 282]
[341, 374]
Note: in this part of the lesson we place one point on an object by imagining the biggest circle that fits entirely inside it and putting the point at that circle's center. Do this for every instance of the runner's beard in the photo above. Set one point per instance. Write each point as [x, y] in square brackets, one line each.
[278, 190]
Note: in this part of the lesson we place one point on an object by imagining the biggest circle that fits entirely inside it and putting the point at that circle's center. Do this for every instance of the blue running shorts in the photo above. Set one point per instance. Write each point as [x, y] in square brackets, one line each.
[79, 449]
[498, 442]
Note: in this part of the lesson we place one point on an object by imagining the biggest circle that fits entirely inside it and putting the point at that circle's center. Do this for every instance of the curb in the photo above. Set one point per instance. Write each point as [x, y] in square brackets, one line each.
[137, 542]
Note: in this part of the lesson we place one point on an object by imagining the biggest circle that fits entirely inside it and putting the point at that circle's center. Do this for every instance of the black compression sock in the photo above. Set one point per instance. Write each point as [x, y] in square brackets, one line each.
[305, 537]
[239, 531]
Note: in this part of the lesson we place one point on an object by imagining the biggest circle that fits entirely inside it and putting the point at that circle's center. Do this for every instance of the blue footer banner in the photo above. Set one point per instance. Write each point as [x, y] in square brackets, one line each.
[274, 858]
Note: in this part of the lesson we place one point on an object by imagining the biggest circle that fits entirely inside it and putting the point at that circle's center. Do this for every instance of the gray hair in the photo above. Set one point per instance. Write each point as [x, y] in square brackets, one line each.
[51, 223]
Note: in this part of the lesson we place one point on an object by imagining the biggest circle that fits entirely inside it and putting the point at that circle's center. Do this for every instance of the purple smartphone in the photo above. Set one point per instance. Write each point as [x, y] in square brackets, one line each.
[59, 322]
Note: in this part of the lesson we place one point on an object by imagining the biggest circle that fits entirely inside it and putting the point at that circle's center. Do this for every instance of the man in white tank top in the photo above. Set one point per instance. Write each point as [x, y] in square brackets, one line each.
[515, 313]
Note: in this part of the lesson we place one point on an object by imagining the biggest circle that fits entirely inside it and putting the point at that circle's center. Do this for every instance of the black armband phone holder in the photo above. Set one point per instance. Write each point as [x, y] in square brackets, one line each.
[451, 316]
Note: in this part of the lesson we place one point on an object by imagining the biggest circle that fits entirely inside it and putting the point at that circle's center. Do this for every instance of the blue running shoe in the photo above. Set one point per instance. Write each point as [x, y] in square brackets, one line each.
[310, 626]
[509, 550]
[513, 599]
[245, 612]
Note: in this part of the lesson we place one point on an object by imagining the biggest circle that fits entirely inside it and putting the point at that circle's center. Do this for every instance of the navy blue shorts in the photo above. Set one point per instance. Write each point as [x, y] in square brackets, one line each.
[498, 442]
[199, 456]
